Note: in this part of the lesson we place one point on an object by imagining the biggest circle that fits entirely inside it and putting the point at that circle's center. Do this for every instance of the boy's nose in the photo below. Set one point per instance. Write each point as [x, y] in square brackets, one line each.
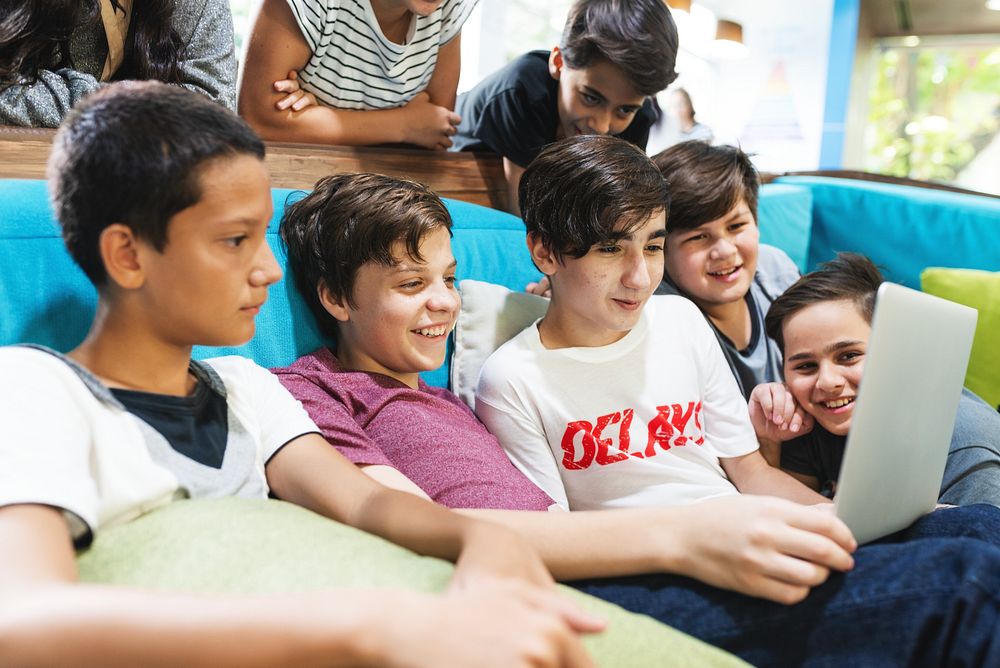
[636, 275]
[600, 122]
[723, 248]
[266, 271]
[444, 297]
[829, 378]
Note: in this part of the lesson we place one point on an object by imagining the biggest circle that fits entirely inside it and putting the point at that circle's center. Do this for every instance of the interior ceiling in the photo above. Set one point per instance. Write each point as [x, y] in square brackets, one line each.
[892, 18]
[931, 17]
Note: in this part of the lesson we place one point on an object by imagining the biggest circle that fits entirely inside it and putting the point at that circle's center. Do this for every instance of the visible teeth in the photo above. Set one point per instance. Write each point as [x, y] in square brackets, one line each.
[432, 331]
[838, 403]
[724, 272]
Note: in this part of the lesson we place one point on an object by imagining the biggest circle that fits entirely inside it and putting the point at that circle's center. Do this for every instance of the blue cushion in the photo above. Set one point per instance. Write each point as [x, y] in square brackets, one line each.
[47, 299]
[784, 213]
[902, 228]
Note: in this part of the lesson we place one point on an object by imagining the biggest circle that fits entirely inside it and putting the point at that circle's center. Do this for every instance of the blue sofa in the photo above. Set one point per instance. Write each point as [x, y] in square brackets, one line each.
[45, 298]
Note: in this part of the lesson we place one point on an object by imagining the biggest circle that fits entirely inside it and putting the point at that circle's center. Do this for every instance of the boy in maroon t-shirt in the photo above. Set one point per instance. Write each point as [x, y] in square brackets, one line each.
[372, 257]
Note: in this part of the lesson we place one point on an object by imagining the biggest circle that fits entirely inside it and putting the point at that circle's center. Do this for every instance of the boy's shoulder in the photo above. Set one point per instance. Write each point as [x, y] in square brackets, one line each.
[512, 357]
[526, 77]
[775, 270]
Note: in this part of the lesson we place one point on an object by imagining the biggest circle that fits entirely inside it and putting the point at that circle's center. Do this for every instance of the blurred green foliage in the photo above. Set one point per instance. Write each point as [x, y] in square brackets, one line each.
[932, 109]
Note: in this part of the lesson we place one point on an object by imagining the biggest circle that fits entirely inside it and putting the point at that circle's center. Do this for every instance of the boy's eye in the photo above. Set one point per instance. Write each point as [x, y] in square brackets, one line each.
[449, 281]
[410, 285]
[654, 248]
[737, 226]
[236, 241]
[696, 237]
[805, 367]
[625, 112]
[851, 356]
[608, 249]
[589, 99]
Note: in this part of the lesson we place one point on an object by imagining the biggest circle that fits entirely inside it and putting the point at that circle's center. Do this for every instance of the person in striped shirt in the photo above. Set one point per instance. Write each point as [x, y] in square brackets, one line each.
[380, 71]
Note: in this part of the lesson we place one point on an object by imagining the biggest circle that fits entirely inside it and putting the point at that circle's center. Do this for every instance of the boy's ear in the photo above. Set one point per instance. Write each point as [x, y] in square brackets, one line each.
[120, 253]
[555, 63]
[542, 255]
[334, 306]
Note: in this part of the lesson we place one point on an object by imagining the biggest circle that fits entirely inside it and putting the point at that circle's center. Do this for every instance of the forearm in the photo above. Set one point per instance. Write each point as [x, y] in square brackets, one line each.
[326, 125]
[758, 477]
[89, 625]
[770, 450]
[45, 102]
[603, 543]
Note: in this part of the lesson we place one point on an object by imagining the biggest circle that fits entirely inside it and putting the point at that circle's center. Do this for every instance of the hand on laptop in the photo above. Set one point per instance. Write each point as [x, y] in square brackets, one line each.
[764, 546]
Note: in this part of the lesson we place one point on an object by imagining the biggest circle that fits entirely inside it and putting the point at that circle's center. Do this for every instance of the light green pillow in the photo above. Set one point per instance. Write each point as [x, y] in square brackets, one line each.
[981, 291]
[240, 545]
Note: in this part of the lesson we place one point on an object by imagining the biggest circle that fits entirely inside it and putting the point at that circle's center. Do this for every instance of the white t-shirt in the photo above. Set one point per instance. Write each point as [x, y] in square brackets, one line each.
[354, 66]
[67, 442]
[640, 422]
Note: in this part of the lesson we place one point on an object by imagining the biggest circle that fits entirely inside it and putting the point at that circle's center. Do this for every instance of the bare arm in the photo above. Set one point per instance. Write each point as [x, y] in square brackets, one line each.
[443, 86]
[275, 47]
[762, 547]
[753, 475]
[312, 474]
[512, 172]
[47, 618]
[776, 418]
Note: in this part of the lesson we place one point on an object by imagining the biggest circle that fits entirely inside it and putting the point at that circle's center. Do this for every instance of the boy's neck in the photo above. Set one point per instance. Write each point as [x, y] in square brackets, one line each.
[558, 330]
[126, 356]
[733, 320]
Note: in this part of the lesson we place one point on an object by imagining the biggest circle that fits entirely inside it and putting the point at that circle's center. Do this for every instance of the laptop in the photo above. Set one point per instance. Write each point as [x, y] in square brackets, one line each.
[903, 419]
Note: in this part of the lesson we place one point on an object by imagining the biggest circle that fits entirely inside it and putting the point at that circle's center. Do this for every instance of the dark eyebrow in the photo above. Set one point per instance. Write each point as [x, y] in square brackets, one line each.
[594, 92]
[403, 267]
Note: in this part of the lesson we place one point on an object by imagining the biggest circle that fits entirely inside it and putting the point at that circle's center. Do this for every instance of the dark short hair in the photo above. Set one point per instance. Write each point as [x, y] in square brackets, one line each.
[848, 277]
[131, 153]
[349, 220]
[706, 182]
[579, 190]
[636, 36]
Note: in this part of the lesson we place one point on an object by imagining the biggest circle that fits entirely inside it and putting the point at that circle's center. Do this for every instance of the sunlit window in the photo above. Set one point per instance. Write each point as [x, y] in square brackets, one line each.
[935, 113]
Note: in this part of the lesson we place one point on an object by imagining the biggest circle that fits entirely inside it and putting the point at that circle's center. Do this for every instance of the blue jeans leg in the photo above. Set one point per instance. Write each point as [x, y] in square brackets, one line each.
[931, 602]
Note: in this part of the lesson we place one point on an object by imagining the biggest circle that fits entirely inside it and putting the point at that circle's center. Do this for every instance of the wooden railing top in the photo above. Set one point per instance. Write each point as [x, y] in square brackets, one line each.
[878, 178]
[470, 177]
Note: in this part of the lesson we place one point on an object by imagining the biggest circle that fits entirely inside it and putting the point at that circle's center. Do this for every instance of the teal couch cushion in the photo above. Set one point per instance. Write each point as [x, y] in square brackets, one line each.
[48, 300]
[902, 228]
[784, 214]
[240, 545]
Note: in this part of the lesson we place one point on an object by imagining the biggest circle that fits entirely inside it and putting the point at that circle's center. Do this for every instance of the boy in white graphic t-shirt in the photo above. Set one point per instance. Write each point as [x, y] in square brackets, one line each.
[593, 408]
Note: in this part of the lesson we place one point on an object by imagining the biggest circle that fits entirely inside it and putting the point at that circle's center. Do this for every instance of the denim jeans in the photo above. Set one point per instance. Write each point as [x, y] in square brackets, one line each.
[972, 474]
[927, 596]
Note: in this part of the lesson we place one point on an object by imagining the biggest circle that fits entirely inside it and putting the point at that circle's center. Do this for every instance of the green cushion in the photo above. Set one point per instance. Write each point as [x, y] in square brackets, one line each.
[980, 290]
[240, 545]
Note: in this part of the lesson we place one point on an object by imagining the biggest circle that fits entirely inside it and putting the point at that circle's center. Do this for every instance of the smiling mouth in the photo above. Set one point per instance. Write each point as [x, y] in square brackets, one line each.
[838, 403]
[432, 332]
[725, 272]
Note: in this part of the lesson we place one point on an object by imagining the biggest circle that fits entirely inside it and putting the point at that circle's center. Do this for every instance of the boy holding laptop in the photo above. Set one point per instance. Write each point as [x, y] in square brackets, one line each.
[602, 414]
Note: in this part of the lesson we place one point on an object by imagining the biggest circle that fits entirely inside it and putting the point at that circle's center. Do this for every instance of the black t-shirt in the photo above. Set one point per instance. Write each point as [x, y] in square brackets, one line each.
[514, 112]
[818, 454]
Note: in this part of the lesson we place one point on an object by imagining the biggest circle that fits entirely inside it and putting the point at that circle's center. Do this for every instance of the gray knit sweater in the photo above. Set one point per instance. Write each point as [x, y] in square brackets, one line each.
[208, 66]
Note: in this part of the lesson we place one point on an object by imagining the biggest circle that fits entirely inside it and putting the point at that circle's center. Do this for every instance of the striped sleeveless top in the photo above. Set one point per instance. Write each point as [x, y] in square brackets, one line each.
[354, 66]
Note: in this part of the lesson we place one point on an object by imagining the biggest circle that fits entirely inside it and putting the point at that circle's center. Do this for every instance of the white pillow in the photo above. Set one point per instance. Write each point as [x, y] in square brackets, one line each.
[491, 315]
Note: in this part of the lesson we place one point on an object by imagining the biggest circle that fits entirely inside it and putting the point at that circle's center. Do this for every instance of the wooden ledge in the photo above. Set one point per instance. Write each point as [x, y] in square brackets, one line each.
[470, 177]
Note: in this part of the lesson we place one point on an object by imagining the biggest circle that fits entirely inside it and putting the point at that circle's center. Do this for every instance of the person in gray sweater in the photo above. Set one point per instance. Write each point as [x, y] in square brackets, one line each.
[53, 54]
